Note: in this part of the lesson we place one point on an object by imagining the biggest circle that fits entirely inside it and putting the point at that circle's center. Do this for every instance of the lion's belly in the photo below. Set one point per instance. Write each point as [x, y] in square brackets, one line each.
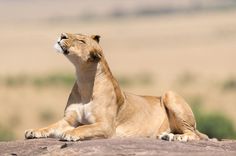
[141, 128]
[141, 117]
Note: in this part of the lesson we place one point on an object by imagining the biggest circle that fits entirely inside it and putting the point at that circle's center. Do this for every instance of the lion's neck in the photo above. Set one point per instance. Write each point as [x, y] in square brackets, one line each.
[91, 77]
[86, 76]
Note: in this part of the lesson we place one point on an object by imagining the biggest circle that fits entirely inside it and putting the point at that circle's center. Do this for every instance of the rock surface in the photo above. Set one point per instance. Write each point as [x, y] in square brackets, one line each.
[130, 147]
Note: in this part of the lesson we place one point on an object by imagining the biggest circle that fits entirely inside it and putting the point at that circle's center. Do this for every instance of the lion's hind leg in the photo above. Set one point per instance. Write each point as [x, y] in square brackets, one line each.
[181, 119]
[178, 137]
[166, 136]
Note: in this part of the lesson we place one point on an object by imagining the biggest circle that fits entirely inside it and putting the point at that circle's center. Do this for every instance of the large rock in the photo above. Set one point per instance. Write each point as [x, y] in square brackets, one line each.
[130, 146]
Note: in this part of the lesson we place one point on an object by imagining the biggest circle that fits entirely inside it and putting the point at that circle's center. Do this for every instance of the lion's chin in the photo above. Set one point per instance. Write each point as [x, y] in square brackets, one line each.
[60, 49]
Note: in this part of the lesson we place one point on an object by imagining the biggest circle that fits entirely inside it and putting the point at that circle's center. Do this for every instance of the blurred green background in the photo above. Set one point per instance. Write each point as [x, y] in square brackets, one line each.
[151, 46]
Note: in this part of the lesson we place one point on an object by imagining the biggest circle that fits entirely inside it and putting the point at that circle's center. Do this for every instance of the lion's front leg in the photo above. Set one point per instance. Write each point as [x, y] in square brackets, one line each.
[96, 130]
[54, 130]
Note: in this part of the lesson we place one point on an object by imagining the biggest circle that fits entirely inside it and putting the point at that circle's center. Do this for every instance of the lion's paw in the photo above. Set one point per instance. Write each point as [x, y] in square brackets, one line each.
[32, 134]
[167, 136]
[70, 136]
[181, 137]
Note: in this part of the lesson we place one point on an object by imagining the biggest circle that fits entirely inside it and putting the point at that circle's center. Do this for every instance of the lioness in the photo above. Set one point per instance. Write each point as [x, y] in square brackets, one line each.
[98, 108]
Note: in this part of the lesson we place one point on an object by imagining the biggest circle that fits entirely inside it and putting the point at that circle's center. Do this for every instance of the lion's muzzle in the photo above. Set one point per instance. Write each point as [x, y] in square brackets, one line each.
[60, 45]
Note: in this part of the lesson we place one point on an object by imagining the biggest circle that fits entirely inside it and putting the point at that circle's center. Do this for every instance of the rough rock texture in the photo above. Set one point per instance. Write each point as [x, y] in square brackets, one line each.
[130, 146]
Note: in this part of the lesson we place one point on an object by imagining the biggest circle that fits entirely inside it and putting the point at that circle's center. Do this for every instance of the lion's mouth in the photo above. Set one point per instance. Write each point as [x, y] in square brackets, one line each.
[60, 48]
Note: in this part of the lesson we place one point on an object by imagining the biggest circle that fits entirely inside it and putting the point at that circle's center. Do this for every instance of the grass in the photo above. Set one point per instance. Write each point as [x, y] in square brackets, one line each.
[140, 79]
[215, 125]
[55, 79]
[15, 80]
[68, 79]
[6, 134]
[14, 120]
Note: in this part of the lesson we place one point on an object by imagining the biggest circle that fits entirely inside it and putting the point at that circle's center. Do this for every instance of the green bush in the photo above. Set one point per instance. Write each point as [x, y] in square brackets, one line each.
[46, 115]
[215, 125]
[125, 81]
[186, 78]
[229, 84]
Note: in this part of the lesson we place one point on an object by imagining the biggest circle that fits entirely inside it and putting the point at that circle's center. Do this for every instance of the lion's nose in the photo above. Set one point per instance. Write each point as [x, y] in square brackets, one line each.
[64, 36]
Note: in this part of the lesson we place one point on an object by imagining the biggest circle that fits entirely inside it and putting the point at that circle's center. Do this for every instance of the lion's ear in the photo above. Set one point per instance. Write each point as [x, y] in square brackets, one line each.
[96, 38]
[94, 56]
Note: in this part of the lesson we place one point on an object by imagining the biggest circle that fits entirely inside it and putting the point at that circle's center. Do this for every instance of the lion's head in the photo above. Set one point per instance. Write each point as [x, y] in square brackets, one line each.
[79, 48]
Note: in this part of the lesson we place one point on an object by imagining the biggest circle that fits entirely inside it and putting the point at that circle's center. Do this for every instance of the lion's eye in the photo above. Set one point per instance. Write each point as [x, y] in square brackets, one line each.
[82, 41]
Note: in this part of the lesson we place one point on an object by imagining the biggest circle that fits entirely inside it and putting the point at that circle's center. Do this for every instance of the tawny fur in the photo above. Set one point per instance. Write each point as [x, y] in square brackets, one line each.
[97, 108]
